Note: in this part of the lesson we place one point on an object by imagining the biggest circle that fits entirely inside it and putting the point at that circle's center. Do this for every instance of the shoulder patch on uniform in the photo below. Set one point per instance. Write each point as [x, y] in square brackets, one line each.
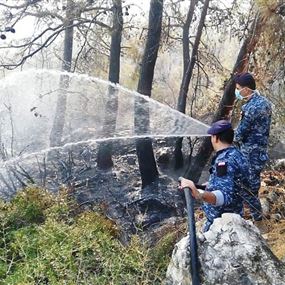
[221, 168]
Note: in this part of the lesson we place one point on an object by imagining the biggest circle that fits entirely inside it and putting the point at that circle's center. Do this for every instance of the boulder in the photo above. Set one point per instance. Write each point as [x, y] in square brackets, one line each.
[232, 252]
[278, 151]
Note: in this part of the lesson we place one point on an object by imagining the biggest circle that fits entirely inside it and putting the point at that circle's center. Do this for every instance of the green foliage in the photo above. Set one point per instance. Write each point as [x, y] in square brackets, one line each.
[164, 248]
[27, 207]
[45, 239]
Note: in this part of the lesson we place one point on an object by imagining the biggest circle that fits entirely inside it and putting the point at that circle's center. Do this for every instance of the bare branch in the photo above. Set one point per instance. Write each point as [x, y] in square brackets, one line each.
[34, 39]
[44, 45]
[99, 23]
[43, 14]
[96, 8]
[82, 46]
[14, 6]
[47, 42]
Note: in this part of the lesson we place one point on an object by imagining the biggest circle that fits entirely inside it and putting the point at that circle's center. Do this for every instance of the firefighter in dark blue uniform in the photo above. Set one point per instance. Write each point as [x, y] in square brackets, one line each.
[252, 136]
[228, 175]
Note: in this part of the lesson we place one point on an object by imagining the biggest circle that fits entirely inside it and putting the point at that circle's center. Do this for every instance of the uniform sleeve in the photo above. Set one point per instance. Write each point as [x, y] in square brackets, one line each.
[244, 126]
[222, 183]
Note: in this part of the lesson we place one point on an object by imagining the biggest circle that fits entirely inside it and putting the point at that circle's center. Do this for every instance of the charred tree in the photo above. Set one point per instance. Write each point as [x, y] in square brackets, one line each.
[195, 169]
[146, 160]
[104, 157]
[178, 156]
[189, 64]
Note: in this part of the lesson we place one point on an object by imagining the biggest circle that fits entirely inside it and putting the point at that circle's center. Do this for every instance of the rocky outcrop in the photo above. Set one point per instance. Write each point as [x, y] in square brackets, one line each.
[232, 252]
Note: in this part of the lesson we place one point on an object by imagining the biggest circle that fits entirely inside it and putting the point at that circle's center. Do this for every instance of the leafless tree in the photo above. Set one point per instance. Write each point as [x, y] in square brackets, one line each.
[147, 163]
[104, 157]
[189, 64]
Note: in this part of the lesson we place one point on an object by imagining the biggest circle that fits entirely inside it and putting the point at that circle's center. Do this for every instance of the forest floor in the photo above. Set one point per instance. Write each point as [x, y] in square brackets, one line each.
[272, 195]
[155, 211]
[159, 210]
[147, 208]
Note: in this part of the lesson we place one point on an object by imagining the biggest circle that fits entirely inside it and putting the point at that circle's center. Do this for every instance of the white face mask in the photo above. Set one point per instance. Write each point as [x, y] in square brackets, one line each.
[238, 95]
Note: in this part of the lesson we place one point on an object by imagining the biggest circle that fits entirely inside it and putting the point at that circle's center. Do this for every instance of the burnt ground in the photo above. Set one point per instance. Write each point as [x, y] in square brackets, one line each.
[117, 193]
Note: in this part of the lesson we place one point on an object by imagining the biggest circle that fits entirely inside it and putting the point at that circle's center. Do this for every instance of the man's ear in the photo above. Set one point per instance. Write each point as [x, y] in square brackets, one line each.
[216, 139]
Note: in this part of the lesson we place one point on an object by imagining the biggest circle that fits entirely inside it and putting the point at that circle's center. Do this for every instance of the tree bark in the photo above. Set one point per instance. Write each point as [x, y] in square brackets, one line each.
[59, 119]
[189, 65]
[146, 160]
[104, 157]
[195, 169]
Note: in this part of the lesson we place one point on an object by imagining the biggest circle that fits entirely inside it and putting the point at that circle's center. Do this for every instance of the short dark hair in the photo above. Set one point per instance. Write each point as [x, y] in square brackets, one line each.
[245, 80]
[226, 136]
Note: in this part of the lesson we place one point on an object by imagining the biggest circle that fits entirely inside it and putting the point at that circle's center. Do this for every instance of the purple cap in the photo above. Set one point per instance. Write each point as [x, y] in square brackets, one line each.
[245, 80]
[219, 127]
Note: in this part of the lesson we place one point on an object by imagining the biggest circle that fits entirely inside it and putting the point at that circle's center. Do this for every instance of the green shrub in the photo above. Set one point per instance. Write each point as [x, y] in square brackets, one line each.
[27, 207]
[45, 239]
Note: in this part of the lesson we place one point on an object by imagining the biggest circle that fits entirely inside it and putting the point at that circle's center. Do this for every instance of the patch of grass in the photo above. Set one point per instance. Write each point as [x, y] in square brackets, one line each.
[44, 239]
[161, 253]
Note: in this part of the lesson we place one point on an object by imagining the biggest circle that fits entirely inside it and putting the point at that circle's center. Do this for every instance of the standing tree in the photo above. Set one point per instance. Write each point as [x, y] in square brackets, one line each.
[147, 163]
[104, 158]
[59, 119]
[189, 64]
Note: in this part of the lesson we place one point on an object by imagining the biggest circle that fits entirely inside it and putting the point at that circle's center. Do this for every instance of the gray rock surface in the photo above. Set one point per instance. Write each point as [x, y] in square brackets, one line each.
[279, 164]
[232, 252]
[278, 151]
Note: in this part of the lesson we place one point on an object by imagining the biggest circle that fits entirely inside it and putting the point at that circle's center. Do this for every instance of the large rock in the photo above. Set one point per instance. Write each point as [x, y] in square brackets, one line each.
[232, 252]
[278, 151]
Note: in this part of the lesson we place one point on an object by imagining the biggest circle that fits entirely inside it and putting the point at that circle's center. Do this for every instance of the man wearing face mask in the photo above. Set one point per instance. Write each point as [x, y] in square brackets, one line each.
[252, 136]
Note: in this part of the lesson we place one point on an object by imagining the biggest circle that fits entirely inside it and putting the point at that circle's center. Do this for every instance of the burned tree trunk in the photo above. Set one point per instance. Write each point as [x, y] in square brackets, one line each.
[195, 169]
[189, 65]
[178, 156]
[147, 163]
[104, 157]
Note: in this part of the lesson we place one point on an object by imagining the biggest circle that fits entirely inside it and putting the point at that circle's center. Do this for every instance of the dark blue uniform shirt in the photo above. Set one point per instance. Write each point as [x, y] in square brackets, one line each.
[252, 135]
[254, 127]
[228, 175]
